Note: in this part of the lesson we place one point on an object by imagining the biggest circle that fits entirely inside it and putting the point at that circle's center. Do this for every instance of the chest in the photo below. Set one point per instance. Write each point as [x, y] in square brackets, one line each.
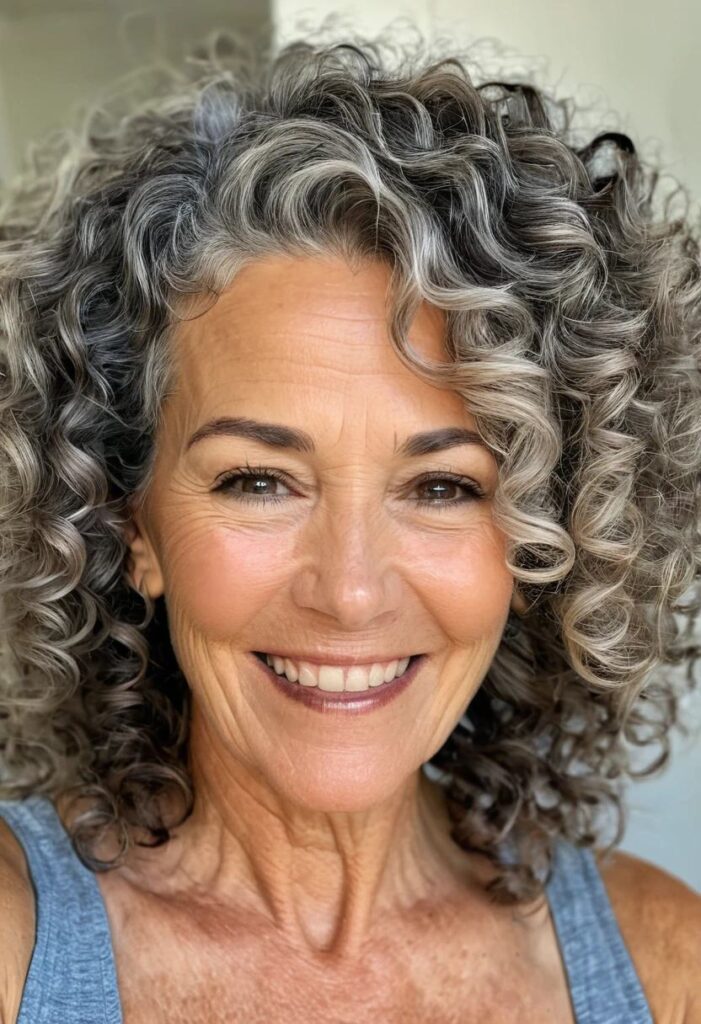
[219, 1005]
[176, 969]
[259, 998]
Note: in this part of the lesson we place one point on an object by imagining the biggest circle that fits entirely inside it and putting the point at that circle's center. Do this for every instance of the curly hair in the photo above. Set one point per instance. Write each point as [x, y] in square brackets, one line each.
[572, 334]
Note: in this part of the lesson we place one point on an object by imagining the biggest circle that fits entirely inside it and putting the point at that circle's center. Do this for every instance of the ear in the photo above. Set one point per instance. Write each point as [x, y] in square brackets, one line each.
[518, 602]
[143, 569]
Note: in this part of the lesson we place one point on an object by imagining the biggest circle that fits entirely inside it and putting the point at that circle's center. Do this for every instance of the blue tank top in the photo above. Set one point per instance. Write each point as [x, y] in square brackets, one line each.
[72, 975]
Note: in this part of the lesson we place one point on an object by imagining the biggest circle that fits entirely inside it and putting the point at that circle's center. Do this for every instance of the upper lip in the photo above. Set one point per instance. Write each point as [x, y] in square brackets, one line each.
[337, 659]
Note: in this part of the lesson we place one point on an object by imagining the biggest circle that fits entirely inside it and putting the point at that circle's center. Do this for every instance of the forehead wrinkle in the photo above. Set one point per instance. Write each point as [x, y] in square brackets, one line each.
[236, 303]
[222, 399]
[322, 369]
[221, 337]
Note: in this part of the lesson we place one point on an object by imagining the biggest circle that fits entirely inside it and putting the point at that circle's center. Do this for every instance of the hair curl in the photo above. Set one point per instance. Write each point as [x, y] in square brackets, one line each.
[573, 329]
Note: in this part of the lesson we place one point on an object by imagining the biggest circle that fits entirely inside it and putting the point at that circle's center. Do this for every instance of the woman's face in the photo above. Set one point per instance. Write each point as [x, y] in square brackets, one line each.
[335, 554]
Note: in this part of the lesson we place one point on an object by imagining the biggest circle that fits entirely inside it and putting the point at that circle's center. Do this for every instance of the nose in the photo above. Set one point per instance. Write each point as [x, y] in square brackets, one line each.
[350, 571]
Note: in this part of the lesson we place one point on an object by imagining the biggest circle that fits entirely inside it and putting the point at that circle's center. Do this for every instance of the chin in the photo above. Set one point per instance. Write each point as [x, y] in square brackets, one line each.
[323, 790]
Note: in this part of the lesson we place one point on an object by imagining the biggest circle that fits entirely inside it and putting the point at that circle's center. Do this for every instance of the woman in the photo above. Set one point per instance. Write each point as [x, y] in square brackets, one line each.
[351, 453]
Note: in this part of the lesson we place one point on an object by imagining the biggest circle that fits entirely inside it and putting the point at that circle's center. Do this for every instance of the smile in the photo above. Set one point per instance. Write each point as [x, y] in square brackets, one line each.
[337, 678]
[332, 685]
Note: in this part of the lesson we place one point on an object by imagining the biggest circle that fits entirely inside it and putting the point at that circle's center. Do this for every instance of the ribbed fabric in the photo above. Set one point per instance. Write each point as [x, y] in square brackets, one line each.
[604, 984]
[72, 976]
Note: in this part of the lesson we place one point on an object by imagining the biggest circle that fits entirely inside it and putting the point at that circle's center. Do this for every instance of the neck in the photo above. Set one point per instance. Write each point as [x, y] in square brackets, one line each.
[327, 882]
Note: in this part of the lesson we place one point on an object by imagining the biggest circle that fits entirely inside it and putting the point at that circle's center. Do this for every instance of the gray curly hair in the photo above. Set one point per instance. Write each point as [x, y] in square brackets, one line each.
[572, 334]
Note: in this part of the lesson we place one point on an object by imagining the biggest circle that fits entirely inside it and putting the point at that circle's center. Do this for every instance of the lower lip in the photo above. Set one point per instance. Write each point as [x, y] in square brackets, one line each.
[348, 702]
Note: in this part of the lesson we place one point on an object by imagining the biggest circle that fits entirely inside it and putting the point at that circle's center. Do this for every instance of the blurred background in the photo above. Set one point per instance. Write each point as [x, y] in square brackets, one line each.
[631, 65]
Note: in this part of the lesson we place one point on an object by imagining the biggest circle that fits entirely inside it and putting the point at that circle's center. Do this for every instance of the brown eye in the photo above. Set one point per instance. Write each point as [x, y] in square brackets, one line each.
[441, 489]
[256, 485]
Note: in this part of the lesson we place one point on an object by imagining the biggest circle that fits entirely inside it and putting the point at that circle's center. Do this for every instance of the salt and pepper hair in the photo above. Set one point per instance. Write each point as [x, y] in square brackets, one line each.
[572, 333]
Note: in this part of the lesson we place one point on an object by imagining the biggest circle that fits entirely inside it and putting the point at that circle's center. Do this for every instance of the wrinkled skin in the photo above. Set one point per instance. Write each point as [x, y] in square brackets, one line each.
[322, 822]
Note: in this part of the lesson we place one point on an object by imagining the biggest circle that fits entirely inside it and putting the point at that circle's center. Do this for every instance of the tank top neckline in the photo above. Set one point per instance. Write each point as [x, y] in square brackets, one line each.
[73, 941]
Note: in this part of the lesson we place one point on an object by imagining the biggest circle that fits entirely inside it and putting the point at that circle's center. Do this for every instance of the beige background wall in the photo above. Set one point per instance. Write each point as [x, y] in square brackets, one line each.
[634, 62]
[56, 54]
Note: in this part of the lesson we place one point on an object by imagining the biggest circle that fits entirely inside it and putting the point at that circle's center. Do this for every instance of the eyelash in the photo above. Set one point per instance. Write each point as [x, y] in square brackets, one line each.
[226, 485]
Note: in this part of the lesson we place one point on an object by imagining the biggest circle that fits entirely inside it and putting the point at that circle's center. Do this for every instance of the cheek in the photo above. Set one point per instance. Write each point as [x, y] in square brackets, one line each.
[220, 580]
[464, 581]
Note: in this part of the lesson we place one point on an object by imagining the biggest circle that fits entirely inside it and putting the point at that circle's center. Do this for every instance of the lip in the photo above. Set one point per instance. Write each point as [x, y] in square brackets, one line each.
[347, 702]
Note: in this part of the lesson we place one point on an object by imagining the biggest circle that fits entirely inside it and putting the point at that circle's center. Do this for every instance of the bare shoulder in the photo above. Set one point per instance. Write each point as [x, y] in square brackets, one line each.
[17, 923]
[660, 919]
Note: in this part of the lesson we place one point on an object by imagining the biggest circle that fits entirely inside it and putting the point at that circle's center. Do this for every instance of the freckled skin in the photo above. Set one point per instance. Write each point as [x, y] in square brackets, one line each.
[321, 823]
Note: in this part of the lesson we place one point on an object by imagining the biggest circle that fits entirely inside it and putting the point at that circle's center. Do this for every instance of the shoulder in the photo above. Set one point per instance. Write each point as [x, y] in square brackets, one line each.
[17, 923]
[659, 916]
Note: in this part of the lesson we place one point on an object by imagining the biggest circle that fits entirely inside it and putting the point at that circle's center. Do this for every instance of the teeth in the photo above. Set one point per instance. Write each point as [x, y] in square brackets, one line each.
[335, 678]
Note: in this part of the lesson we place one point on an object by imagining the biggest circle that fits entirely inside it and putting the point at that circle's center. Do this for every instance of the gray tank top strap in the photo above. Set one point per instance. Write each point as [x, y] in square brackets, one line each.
[604, 984]
[72, 975]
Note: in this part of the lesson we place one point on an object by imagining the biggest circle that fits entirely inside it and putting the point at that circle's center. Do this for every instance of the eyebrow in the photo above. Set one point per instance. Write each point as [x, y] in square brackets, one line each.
[275, 435]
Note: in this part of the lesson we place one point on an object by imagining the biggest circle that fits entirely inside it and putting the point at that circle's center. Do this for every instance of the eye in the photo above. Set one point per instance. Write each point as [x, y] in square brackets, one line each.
[442, 484]
[260, 481]
[253, 475]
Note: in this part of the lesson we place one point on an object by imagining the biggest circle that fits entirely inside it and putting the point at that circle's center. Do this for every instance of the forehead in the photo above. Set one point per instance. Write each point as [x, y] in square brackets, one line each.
[311, 328]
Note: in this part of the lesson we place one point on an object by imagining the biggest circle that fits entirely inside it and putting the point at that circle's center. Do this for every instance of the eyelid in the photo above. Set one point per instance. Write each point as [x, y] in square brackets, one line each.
[250, 471]
[469, 484]
[445, 474]
[247, 469]
[431, 474]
